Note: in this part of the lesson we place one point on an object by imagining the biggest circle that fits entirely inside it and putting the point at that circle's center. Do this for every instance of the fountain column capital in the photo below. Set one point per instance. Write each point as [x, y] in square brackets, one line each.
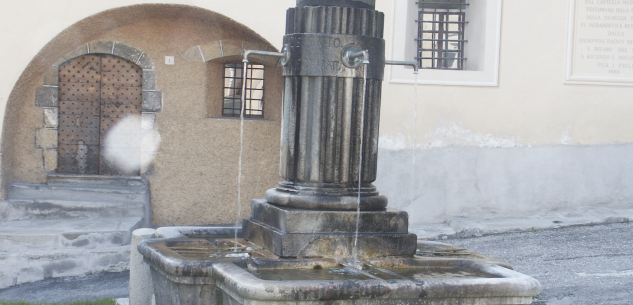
[369, 4]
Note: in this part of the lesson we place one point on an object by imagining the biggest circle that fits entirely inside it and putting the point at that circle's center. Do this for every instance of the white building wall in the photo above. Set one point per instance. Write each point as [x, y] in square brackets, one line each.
[531, 144]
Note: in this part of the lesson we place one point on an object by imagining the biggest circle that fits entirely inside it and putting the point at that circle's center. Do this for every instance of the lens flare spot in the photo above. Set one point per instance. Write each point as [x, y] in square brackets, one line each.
[128, 147]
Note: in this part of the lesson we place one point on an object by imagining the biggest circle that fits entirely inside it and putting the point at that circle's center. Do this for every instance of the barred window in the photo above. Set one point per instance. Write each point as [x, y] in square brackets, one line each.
[440, 38]
[254, 102]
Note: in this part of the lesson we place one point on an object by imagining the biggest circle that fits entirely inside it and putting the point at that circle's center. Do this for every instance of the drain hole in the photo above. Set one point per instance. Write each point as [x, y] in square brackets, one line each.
[318, 267]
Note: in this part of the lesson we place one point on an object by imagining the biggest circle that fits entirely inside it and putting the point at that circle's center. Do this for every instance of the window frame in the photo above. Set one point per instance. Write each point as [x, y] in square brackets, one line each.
[483, 51]
[234, 92]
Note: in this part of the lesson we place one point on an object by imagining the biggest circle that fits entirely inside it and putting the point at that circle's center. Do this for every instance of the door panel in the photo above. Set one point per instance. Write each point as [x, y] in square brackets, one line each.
[121, 98]
[96, 92]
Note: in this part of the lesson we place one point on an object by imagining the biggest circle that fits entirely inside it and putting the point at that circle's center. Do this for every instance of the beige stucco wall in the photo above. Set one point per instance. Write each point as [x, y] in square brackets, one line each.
[194, 180]
[29, 25]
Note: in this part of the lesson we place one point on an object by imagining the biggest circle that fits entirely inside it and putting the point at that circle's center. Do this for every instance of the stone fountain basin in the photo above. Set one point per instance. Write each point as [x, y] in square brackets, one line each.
[190, 270]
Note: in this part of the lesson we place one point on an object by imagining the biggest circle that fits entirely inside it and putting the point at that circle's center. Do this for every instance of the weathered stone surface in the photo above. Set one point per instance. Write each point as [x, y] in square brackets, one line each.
[47, 96]
[152, 101]
[141, 289]
[212, 50]
[51, 77]
[255, 46]
[46, 138]
[149, 79]
[232, 48]
[330, 245]
[194, 54]
[59, 62]
[101, 46]
[51, 117]
[128, 52]
[171, 292]
[465, 278]
[49, 156]
[497, 285]
[291, 232]
[311, 221]
[82, 50]
[145, 62]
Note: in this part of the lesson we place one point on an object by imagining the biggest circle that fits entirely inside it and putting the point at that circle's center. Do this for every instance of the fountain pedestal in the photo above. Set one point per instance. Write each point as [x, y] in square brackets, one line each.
[288, 232]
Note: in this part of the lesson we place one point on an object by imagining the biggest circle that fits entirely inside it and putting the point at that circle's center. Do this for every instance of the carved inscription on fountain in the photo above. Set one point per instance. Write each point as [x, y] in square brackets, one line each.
[600, 41]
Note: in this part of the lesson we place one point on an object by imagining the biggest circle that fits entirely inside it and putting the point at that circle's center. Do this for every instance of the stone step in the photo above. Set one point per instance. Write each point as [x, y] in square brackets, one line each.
[86, 233]
[80, 192]
[66, 179]
[32, 209]
[19, 267]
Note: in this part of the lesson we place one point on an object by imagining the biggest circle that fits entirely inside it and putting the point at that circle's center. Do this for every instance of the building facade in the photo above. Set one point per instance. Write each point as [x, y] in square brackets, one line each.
[520, 118]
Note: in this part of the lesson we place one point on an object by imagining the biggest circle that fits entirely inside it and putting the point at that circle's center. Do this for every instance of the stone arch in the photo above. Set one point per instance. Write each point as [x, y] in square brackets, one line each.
[228, 49]
[47, 97]
[181, 165]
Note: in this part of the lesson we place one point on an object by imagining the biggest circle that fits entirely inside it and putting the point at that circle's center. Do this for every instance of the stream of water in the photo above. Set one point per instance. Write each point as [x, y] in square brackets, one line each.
[360, 161]
[239, 175]
[415, 131]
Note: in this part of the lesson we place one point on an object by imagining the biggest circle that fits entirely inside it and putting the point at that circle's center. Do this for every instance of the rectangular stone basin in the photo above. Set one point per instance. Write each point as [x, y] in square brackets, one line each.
[219, 271]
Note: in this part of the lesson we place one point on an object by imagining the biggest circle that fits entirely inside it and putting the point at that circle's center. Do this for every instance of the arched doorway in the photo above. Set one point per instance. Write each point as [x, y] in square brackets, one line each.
[96, 92]
[102, 88]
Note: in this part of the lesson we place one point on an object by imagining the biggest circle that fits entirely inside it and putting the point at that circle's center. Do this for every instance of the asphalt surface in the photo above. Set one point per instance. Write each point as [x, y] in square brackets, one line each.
[106, 285]
[575, 265]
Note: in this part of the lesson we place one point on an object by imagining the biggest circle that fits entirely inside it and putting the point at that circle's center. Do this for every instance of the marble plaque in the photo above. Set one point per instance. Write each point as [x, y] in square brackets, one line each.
[600, 42]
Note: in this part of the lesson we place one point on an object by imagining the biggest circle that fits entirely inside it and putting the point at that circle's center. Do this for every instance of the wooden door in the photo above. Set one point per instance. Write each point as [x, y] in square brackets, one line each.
[96, 92]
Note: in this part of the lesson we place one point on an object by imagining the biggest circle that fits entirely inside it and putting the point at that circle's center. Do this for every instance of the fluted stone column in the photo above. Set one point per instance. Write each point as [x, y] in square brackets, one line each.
[323, 103]
[312, 212]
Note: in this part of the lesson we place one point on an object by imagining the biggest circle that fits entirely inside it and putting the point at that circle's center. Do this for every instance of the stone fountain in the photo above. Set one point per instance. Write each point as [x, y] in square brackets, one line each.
[324, 234]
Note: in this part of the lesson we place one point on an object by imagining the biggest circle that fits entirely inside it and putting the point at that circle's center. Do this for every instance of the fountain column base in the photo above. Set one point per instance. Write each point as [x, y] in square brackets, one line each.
[288, 232]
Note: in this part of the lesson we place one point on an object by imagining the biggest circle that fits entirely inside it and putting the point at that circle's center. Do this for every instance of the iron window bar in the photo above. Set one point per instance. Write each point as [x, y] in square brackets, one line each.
[232, 91]
[443, 3]
[440, 40]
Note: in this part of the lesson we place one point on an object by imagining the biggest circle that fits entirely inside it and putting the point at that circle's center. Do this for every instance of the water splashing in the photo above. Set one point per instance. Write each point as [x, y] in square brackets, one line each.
[239, 175]
[360, 161]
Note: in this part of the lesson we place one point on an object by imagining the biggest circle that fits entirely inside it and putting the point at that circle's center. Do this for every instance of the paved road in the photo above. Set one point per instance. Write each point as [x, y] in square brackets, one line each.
[576, 266]
[98, 286]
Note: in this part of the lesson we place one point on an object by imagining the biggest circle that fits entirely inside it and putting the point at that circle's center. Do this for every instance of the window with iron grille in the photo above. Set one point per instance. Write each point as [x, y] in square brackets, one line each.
[232, 91]
[441, 34]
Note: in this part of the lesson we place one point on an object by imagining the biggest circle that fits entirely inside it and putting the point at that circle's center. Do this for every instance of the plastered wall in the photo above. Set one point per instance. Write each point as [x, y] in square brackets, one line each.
[194, 175]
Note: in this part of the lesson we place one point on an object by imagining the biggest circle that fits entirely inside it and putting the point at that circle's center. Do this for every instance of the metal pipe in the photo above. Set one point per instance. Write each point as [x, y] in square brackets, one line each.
[403, 63]
[284, 54]
[363, 54]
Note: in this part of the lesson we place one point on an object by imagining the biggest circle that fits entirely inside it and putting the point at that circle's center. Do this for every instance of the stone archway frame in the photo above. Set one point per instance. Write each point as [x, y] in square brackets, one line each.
[229, 48]
[47, 97]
